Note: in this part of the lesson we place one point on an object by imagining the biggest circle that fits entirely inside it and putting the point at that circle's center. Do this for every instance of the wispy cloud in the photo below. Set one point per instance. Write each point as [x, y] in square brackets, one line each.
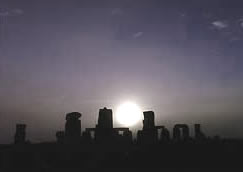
[220, 24]
[241, 22]
[17, 11]
[10, 12]
[138, 34]
[4, 13]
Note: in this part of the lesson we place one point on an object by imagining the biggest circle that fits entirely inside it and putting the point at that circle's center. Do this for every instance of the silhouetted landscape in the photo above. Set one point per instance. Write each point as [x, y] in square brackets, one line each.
[108, 147]
[170, 73]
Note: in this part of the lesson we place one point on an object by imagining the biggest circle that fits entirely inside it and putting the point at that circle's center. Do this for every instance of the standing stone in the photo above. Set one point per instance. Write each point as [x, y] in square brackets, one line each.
[20, 134]
[73, 128]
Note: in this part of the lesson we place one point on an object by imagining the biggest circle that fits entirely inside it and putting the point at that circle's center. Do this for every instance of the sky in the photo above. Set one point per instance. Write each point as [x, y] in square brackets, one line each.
[181, 59]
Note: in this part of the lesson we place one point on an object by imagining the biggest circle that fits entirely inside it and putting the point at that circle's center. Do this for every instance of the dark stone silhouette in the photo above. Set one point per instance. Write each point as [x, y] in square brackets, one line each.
[106, 146]
[148, 122]
[60, 135]
[177, 132]
[165, 135]
[87, 137]
[105, 120]
[73, 128]
[127, 136]
[104, 131]
[20, 134]
[198, 133]
[149, 134]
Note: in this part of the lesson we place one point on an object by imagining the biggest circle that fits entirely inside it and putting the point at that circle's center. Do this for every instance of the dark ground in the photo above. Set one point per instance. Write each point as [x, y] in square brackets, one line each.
[224, 154]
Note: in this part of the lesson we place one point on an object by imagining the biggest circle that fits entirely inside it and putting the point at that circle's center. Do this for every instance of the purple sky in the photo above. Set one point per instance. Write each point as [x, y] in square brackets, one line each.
[182, 60]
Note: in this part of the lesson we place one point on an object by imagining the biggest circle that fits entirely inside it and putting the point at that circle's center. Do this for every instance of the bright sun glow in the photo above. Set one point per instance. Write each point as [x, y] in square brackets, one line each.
[128, 114]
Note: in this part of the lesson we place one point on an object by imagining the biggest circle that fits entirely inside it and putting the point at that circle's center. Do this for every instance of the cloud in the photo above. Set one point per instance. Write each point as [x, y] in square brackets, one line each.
[10, 12]
[182, 14]
[241, 22]
[241, 25]
[17, 11]
[235, 38]
[4, 13]
[138, 34]
[220, 24]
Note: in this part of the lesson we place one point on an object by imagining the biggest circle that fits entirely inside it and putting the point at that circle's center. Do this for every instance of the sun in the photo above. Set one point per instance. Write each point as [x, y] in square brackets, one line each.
[128, 114]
